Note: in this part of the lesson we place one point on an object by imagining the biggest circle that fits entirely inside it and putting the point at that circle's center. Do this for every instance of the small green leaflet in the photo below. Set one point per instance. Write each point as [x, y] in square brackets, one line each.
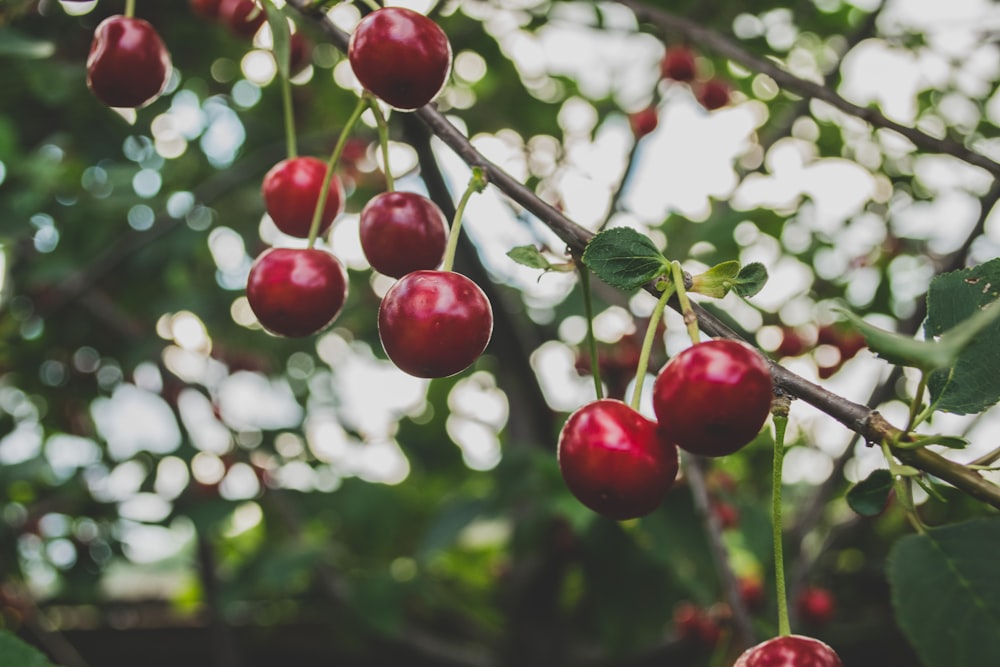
[624, 258]
[750, 280]
[959, 301]
[869, 496]
[717, 281]
[532, 257]
[282, 38]
[946, 594]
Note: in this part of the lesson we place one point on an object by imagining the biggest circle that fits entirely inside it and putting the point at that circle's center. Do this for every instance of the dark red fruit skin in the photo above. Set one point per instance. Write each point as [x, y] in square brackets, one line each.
[296, 292]
[789, 651]
[616, 461]
[291, 190]
[713, 94]
[751, 590]
[243, 17]
[401, 56]
[815, 605]
[207, 9]
[678, 64]
[643, 122]
[433, 324]
[713, 397]
[128, 65]
[402, 232]
[300, 53]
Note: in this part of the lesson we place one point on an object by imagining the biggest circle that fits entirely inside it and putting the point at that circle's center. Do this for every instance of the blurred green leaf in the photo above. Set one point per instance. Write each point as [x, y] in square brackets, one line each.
[16, 653]
[869, 496]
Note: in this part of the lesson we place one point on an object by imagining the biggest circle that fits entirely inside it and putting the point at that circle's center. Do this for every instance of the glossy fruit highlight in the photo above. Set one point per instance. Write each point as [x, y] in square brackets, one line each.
[434, 324]
[789, 651]
[402, 232]
[128, 65]
[291, 191]
[714, 397]
[616, 461]
[401, 56]
[296, 292]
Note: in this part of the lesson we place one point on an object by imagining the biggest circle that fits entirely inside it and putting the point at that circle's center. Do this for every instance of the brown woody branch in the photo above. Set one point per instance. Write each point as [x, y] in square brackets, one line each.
[724, 46]
[868, 423]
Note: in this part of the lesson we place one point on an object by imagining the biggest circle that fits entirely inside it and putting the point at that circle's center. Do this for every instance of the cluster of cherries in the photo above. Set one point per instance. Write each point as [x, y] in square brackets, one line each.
[679, 65]
[432, 322]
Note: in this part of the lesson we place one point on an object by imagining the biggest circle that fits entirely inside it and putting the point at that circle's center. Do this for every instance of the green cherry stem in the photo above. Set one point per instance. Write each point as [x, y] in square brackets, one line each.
[779, 415]
[476, 184]
[289, 116]
[331, 165]
[129, 8]
[690, 319]
[588, 309]
[647, 340]
[383, 140]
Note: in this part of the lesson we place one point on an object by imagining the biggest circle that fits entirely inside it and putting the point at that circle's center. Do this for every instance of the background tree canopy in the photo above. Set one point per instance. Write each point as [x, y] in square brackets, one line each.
[178, 485]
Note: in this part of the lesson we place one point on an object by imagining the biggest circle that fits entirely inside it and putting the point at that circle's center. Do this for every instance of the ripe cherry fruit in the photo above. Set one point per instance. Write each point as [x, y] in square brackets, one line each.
[643, 122]
[678, 64]
[402, 232]
[128, 65]
[401, 56]
[433, 324]
[296, 291]
[816, 605]
[713, 397]
[291, 191]
[789, 651]
[616, 461]
[713, 94]
[207, 9]
[243, 17]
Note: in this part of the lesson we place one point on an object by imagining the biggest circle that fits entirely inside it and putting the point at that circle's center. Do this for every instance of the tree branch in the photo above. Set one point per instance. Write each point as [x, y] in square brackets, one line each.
[728, 48]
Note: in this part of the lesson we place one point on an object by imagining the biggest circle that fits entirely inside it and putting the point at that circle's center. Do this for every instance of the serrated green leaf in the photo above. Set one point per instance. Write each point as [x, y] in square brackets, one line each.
[281, 36]
[717, 281]
[750, 280]
[624, 258]
[869, 496]
[950, 441]
[13, 651]
[957, 304]
[946, 594]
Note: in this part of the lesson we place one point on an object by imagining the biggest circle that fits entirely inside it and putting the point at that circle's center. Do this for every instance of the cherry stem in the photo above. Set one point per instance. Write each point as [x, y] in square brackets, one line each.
[383, 141]
[588, 308]
[476, 184]
[647, 341]
[690, 319]
[129, 8]
[779, 414]
[331, 164]
[286, 107]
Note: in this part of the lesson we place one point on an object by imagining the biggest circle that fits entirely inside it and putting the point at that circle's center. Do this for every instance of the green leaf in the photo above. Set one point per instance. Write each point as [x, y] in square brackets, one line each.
[19, 45]
[957, 304]
[899, 349]
[751, 279]
[950, 441]
[869, 496]
[13, 651]
[946, 593]
[532, 257]
[281, 36]
[624, 258]
[717, 281]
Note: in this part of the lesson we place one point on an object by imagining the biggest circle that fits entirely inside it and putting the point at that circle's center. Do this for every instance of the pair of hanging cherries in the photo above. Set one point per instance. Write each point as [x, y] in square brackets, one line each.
[433, 322]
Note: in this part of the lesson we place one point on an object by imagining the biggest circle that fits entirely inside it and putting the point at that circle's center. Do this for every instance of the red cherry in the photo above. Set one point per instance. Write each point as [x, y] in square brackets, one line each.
[207, 9]
[726, 514]
[615, 461]
[713, 94]
[792, 344]
[296, 291]
[713, 397]
[751, 590]
[300, 53]
[401, 56]
[643, 122]
[789, 651]
[434, 323]
[816, 605]
[402, 232]
[678, 64]
[243, 17]
[695, 624]
[128, 64]
[291, 190]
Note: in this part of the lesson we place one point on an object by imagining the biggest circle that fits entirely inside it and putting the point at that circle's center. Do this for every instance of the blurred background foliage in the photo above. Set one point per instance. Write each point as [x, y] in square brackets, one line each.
[178, 485]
